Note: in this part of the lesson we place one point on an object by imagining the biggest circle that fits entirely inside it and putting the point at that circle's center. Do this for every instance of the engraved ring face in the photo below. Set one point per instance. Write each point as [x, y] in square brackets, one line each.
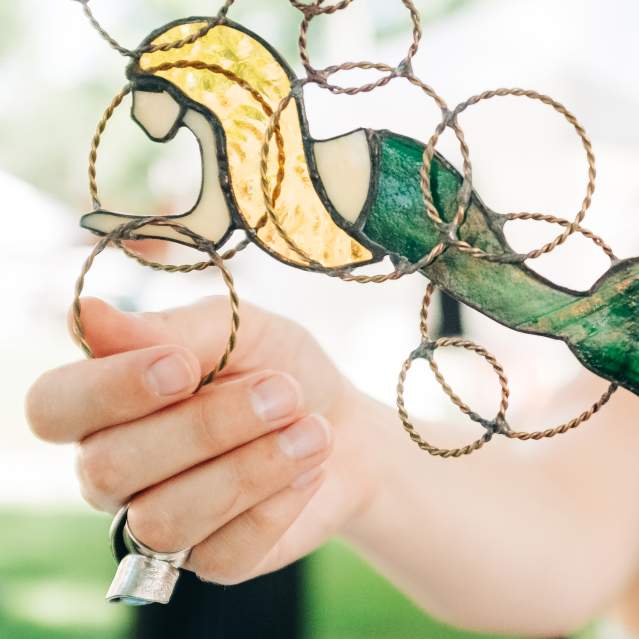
[141, 580]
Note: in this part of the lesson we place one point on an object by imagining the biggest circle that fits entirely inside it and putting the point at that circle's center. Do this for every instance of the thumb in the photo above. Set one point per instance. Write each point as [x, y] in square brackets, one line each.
[203, 328]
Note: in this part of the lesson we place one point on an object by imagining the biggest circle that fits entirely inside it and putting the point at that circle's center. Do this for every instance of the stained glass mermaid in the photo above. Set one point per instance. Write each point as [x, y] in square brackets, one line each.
[352, 200]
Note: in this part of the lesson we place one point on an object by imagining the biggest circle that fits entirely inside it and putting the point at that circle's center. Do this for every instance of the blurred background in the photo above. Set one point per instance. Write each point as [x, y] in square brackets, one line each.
[57, 76]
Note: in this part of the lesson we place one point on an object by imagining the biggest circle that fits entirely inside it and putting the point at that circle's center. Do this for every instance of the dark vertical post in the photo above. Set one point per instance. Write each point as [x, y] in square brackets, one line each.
[268, 607]
[450, 322]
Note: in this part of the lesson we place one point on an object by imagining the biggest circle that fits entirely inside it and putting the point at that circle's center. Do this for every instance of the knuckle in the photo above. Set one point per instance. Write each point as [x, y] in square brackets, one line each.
[205, 425]
[257, 522]
[99, 472]
[218, 566]
[243, 483]
[230, 497]
[246, 482]
[154, 526]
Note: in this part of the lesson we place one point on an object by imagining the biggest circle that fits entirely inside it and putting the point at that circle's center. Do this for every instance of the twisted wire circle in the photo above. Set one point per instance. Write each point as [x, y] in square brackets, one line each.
[152, 48]
[433, 213]
[426, 351]
[311, 11]
[127, 231]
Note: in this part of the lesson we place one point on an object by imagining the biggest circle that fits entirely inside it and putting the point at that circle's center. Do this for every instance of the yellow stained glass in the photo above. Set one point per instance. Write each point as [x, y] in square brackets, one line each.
[299, 209]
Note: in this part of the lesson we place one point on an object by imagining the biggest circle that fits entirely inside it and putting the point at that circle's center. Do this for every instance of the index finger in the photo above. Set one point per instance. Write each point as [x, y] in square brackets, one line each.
[203, 328]
[68, 403]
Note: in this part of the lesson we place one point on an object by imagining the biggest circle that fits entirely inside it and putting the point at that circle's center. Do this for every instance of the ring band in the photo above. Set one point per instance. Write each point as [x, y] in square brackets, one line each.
[135, 546]
[143, 576]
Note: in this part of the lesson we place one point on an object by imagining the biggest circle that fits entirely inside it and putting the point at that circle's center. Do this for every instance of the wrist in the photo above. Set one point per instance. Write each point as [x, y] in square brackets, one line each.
[366, 460]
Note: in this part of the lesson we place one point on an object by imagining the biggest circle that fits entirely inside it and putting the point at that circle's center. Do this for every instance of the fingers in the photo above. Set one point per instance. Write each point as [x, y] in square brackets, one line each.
[187, 509]
[203, 328]
[240, 550]
[118, 462]
[265, 341]
[71, 402]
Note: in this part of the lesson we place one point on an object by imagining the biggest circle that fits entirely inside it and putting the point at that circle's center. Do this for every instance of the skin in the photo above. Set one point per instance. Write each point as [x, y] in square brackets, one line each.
[626, 612]
[505, 541]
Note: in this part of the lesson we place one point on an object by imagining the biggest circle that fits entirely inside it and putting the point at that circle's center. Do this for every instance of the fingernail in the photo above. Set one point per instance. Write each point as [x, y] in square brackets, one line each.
[307, 437]
[307, 478]
[170, 375]
[275, 397]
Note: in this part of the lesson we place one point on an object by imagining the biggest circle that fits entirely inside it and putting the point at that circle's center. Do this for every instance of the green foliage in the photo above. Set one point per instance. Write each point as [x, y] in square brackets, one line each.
[53, 571]
[347, 600]
[55, 567]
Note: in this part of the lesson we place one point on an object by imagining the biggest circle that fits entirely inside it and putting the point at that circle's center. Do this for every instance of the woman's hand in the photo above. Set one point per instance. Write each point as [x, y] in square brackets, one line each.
[253, 472]
[281, 453]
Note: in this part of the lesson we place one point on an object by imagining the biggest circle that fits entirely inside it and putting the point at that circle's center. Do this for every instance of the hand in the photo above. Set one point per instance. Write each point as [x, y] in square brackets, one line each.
[218, 471]
[253, 472]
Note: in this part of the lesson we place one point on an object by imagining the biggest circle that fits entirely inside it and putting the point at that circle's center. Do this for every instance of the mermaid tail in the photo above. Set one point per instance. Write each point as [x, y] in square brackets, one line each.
[600, 326]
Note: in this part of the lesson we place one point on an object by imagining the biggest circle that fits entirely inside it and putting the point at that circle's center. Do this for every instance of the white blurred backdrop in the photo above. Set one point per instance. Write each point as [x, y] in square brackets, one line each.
[583, 52]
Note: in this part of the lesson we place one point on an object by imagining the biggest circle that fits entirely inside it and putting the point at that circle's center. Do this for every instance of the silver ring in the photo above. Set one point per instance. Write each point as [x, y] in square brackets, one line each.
[136, 547]
[143, 575]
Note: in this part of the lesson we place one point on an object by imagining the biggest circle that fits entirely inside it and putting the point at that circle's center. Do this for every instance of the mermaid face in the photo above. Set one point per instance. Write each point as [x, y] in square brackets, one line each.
[157, 113]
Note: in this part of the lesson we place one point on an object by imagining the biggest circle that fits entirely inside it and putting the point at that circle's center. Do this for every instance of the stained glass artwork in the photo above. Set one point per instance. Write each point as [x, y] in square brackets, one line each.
[353, 199]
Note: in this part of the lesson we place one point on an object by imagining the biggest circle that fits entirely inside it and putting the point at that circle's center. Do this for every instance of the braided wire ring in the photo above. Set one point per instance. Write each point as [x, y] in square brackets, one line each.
[551, 219]
[311, 11]
[567, 426]
[426, 351]
[127, 231]
[152, 48]
[452, 117]
[316, 8]
[404, 267]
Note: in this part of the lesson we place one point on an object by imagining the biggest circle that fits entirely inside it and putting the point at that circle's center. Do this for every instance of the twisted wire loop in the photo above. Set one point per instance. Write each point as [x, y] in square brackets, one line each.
[112, 42]
[152, 48]
[542, 217]
[459, 217]
[127, 231]
[435, 451]
[312, 10]
[569, 425]
[97, 139]
[426, 351]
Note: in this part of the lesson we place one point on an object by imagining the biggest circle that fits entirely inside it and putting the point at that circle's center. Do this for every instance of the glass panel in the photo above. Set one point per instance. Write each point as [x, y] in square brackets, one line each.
[299, 208]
